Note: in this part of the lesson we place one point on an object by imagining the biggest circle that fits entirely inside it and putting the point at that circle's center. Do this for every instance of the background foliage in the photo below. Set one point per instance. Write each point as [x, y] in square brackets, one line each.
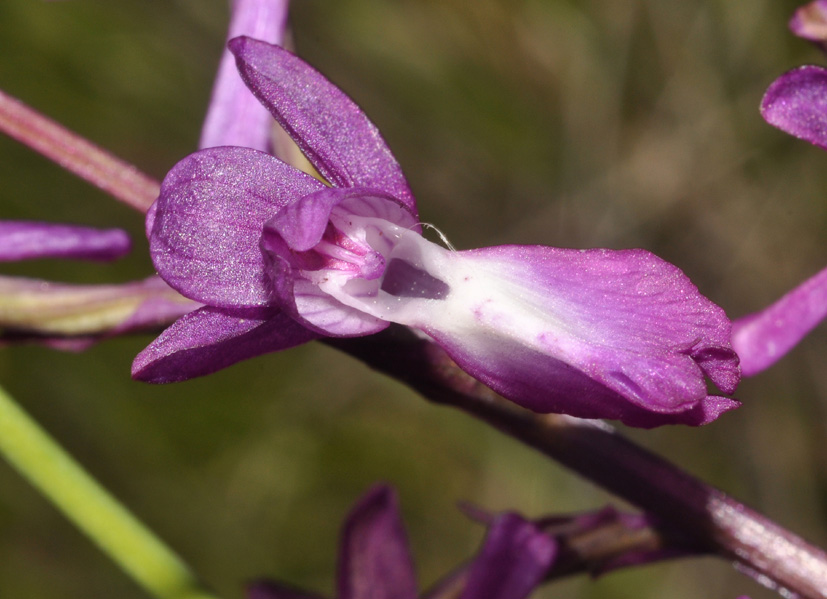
[580, 123]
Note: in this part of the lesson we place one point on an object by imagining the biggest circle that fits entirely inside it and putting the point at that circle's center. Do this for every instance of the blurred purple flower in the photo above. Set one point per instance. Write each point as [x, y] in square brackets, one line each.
[72, 317]
[809, 22]
[375, 561]
[796, 103]
[234, 116]
[25, 240]
[280, 257]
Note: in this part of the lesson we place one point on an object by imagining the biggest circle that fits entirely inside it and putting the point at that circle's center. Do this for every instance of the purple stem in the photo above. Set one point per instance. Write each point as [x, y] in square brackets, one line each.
[77, 155]
[713, 521]
[708, 517]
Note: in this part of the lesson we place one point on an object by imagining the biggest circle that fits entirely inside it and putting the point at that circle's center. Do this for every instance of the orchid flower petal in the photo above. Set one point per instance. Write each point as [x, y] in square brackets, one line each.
[207, 226]
[809, 22]
[48, 308]
[24, 240]
[545, 384]
[591, 333]
[512, 562]
[209, 339]
[555, 329]
[334, 133]
[327, 222]
[796, 103]
[375, 562]
[267, 589]
[763, 338]
[234, 116]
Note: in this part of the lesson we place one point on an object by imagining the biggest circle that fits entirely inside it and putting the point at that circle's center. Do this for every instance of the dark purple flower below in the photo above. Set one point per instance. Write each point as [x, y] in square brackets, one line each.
[375, 561]
[280, 257]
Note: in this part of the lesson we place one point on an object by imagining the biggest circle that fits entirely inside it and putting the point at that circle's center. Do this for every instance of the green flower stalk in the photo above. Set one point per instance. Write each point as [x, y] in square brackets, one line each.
[120, 535]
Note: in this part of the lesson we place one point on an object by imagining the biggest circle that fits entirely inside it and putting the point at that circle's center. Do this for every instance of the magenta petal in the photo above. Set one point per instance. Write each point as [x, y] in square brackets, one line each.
[209, 339]
[545, 384]
[208, 221]
[512, 562]
[375, 562]
[796, 103]
[235, 117]
[24, 240]
[334, 133]
[301, 224]
[763, 338]
[592, 333]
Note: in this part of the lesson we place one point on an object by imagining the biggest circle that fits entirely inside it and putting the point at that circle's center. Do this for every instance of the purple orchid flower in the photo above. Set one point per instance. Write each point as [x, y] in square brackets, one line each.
[280, 258]
[796, 103]
[375, 562]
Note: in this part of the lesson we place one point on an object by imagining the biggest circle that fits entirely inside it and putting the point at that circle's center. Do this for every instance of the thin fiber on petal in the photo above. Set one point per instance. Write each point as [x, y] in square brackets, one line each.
[209, 339]
[25, 240]
[375, 562]
[796, 103]
[208, 221]
[512, 562]
[235, 117]
[763, 338]
[332, 131]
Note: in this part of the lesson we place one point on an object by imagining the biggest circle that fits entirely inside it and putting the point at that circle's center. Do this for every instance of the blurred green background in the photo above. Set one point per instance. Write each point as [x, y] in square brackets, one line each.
[575, 123]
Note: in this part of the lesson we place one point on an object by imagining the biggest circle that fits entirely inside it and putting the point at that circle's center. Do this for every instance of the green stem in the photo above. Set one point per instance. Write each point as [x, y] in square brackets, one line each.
[96, 512]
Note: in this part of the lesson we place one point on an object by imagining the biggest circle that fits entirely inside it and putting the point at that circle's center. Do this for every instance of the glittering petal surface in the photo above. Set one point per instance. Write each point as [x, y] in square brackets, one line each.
[209, 339]
[591, 333]
[763, 338]
[374, 561]
[24, 240]
[810, 21]
[208, 220]
[796, 103]
[334, 133]
[235, 117]
[266, 589]
[512, 562]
